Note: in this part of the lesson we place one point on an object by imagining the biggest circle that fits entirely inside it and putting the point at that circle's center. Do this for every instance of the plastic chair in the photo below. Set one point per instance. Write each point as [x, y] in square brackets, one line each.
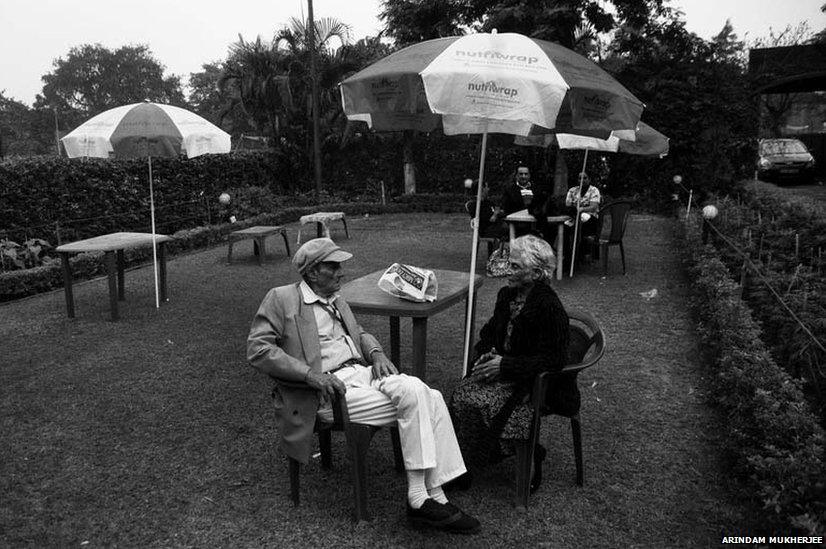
[492, 242]
[618, 212]
[358, 438]
[585, 348]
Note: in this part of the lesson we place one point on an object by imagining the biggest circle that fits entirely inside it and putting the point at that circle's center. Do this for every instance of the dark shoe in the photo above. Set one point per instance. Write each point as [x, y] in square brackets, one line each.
[445, 517]
[539, 454]
[460, 483]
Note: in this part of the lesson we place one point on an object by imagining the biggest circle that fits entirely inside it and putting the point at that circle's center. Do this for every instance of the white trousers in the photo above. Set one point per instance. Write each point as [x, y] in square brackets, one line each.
[425, 429]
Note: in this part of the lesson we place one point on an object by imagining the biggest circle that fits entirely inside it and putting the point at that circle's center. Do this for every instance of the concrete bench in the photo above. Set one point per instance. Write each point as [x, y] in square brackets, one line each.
[258, 235]
[322, 220]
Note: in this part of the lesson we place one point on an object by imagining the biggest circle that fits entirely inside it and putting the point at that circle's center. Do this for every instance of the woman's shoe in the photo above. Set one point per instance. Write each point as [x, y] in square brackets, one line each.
[539, 454]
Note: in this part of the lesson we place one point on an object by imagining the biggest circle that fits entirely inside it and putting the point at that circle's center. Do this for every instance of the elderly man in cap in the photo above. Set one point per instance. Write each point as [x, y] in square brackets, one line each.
[306, 332]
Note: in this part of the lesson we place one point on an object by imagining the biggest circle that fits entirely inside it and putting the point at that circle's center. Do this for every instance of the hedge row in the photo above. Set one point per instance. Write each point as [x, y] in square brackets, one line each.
[17, 284]
[774, 438]
[785, 236]
[85, 197]
[96, 196]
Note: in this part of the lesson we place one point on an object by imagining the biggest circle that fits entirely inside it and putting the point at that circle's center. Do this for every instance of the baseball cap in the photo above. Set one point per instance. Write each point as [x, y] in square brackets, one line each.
[317, 251]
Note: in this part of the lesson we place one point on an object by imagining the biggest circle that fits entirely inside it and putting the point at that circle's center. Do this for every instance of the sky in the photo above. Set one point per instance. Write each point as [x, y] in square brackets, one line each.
[185, 34]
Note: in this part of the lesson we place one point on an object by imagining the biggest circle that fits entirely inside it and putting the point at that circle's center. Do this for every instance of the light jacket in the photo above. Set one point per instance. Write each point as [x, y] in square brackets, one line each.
[283, 343]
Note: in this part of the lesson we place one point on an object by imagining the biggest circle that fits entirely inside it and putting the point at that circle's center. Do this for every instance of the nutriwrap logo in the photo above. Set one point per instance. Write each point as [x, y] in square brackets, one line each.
[492, 88]
[497, 56]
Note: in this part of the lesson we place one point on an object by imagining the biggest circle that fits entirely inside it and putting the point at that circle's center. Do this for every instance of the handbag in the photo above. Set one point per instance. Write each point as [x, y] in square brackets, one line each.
[499, 263]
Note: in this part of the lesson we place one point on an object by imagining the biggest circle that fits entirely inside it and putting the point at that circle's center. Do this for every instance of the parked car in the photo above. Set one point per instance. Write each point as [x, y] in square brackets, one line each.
[784, 159]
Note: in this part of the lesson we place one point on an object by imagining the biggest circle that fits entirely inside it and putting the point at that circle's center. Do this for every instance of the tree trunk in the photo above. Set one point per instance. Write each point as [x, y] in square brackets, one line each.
[409, 163]
[560, 175]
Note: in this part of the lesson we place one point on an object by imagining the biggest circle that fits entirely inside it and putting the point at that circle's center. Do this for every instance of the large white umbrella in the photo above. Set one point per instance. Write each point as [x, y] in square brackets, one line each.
[488, 83]
[146, 130]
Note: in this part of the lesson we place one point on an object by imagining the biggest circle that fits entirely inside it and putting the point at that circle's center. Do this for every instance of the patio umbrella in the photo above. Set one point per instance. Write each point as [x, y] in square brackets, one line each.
[488, 83]
[146, 130]
[643, 141]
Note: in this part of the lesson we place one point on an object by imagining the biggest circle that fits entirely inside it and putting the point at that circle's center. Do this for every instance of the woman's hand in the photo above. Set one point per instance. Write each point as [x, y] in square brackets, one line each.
[487, 368]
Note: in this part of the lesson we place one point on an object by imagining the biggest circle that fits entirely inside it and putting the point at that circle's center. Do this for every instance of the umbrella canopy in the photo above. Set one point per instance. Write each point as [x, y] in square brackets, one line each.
[644, 141]
[497, 83]
[146, 129]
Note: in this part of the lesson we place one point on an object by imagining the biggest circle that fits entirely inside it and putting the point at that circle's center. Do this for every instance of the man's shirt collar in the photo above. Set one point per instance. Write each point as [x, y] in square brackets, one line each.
[311, 297]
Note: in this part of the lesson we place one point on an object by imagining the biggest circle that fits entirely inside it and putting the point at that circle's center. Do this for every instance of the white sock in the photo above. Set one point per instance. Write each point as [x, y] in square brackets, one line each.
[437, 494]
[416, 490]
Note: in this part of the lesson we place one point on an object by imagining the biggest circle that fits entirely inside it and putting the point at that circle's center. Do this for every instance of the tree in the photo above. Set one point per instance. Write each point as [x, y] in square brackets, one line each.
[24, 131]
[332, 63]
[92, 79]
[562, 21]
[697, 93]
[411, 21]
[255, 77]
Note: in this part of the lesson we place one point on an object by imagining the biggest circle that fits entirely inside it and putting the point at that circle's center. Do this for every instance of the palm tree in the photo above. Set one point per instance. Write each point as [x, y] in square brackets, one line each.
[294, 35]
[332, 62]
[256, 76]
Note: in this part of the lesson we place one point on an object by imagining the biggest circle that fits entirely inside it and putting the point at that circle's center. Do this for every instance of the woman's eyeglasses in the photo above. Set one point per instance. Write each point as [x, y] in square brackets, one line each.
[516, 267]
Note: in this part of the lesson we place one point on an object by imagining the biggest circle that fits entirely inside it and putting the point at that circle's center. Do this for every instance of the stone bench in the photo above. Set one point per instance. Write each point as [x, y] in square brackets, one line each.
[322, 220]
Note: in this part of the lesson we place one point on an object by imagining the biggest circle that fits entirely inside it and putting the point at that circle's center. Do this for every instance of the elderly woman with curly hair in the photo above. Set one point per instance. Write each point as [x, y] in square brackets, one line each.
[527, 334]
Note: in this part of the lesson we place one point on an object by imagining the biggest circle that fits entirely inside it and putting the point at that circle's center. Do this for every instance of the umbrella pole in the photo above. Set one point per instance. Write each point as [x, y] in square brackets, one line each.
[576, 223]
[474, 250]
[154, 244]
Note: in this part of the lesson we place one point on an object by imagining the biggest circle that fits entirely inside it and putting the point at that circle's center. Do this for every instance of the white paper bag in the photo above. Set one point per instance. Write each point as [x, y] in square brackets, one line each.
[409, 282]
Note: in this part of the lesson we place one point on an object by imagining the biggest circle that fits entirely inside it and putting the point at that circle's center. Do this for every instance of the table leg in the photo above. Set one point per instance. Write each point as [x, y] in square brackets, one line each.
[162, 272]
[560, 249]
[67, 284]
[112, 274]
[512, 230]
[395, 353]
[121, 267]
[229, 250]
[346, 232]
[260, 248]
[420, 348]
[286, 242]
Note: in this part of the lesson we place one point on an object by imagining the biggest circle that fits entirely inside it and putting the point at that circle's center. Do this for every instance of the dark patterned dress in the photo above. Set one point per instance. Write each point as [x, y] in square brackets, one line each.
[532, 336]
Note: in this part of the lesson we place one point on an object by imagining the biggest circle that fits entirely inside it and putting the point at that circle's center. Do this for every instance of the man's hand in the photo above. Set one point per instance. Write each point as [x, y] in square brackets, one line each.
[487, 367]
[382, 366]
[326, 384]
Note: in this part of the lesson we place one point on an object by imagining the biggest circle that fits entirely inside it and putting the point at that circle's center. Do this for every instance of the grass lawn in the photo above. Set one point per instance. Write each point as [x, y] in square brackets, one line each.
[154, 432]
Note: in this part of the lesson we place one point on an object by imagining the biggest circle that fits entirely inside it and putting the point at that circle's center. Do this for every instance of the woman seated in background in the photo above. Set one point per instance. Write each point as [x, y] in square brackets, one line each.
[527, 334]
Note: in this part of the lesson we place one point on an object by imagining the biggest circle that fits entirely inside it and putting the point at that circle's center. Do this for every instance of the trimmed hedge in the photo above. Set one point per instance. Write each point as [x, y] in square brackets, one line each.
[784, 236]
[18, 284]
[774, 438]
